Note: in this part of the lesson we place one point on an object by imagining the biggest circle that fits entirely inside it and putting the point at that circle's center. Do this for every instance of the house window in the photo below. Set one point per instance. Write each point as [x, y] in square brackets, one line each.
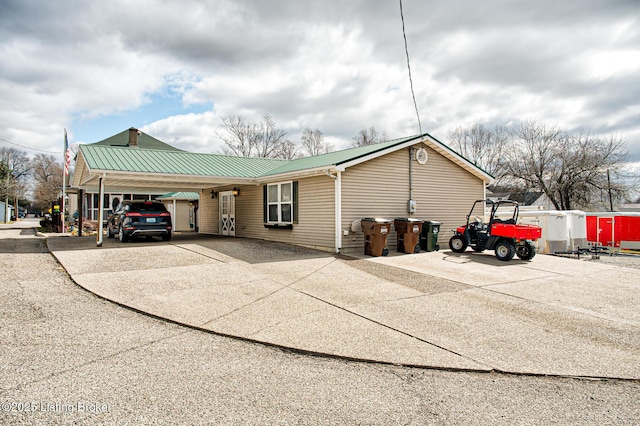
[280, 202]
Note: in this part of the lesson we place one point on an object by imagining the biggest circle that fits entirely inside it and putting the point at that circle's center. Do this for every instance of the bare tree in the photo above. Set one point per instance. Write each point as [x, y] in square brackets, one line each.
[47, 176]
[238, 135]
[482, 146]
[574, 170]
[14, 171]
[17, 162]
[270, 139]
[369, 136]
[288, 150]
[313, 142]
[246, 139]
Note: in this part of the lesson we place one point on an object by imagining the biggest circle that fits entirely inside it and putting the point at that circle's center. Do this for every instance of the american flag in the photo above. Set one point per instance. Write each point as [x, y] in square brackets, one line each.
[67, 154]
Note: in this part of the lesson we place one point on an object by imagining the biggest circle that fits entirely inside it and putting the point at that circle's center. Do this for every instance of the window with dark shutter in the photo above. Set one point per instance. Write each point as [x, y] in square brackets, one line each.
[280, 204]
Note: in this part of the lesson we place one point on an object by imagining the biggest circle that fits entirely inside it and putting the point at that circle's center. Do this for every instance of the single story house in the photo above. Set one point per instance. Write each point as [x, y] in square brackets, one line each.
[311, 201]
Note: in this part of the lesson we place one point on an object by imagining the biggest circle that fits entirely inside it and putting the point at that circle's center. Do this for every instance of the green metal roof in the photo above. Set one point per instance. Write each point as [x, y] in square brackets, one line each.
[336, 158]
[137, 160]
[179, 196]
[105, 157]
[144, 141]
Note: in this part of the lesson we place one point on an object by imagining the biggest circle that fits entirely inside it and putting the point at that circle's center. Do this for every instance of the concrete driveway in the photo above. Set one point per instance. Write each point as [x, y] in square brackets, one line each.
[550, 316]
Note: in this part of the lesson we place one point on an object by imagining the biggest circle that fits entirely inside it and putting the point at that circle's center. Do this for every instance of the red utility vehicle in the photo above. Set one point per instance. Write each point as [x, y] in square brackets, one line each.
[502, 233]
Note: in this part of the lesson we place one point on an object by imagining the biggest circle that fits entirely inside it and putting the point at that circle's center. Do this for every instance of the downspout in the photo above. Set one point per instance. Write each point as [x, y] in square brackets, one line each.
[411, 204]
[411, 150]
[100, 210]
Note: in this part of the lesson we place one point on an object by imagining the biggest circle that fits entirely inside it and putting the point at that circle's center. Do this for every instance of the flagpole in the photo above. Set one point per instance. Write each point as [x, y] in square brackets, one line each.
[64, 177]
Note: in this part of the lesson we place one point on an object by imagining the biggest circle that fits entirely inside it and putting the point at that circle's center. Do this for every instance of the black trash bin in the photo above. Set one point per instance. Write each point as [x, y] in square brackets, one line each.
[429, 236]
[375, 236]
[409, 230]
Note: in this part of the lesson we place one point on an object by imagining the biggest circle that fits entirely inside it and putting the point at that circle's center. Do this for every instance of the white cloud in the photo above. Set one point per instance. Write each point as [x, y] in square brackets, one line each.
[191, 132]
[333, 65]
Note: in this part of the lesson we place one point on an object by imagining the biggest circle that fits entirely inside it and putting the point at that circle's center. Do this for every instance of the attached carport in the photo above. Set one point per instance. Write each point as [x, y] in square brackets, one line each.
[102, 167]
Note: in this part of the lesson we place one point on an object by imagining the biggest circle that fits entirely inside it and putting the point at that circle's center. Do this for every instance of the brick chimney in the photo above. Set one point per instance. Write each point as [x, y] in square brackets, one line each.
[133, 137]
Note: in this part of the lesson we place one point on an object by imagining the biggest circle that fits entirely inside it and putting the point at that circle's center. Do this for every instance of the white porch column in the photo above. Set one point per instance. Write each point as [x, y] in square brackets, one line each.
[338, 210]
[100, 209]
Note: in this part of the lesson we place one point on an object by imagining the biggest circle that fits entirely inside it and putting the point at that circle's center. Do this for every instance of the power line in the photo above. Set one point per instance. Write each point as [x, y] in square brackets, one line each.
[26, 147]
[406, 49]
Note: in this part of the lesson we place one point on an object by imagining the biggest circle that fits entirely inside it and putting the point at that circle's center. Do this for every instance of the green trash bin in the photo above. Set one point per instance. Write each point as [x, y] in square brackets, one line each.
[429, 236]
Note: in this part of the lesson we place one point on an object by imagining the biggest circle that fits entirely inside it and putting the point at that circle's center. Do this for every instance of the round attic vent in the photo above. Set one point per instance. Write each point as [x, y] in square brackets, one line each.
[421, 156]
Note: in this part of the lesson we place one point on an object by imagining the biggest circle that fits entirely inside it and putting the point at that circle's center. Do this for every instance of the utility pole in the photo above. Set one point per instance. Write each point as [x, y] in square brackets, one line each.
[6, 194]
[609, 189]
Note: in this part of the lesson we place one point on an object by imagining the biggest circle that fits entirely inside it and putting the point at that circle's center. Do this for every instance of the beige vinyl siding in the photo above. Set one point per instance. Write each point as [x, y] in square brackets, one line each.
[181, 223]
[208, 215]
[444, 192]
[316, 215]
[85, 171]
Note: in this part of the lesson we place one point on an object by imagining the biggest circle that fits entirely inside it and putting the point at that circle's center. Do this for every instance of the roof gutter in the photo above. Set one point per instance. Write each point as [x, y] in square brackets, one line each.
[295, 174]
[164, 177]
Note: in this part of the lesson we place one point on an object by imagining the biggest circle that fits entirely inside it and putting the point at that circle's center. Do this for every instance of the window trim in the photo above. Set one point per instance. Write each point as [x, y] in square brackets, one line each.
[279, 203]
[278, 223]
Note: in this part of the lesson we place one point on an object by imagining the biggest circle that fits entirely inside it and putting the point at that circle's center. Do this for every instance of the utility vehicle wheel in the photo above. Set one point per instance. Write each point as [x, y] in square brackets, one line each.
[458, 243]
[526, 251]
[166, 237]
[109, 233]
[123, 238]
[505, 250]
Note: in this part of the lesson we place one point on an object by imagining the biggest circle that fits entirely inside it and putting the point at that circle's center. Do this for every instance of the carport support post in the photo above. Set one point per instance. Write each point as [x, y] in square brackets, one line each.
[338, 210]
[100, 210]
[80, 210]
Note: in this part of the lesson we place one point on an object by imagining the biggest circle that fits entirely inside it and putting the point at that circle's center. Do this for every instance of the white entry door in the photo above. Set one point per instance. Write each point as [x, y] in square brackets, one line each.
[227, 213]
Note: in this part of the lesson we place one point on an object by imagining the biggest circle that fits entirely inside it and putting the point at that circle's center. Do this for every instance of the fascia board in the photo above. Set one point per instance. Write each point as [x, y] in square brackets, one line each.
[343, 166]
[433, 144]
[296, 174]
[168, 177]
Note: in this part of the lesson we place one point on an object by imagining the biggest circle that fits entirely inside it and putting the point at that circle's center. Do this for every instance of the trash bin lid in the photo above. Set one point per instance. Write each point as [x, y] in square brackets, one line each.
[376, 219]
[408, 219]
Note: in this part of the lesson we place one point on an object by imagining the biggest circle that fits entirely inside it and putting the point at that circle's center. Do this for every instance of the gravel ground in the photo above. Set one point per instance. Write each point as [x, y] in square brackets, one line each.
[69, 357]
[624, 260]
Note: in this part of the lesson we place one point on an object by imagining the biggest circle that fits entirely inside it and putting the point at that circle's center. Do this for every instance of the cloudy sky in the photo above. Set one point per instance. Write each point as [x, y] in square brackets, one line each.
[173, 68]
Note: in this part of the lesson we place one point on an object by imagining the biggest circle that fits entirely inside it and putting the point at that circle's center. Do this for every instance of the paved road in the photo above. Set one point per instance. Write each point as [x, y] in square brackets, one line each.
[75, 358]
